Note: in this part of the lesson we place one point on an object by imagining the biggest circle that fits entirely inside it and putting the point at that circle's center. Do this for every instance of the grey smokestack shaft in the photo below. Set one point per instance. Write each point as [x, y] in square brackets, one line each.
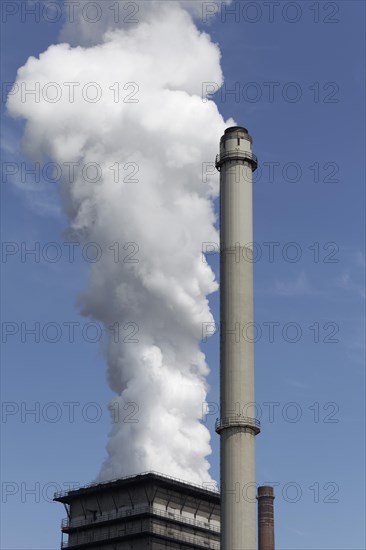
[237, 426]
[266, 539]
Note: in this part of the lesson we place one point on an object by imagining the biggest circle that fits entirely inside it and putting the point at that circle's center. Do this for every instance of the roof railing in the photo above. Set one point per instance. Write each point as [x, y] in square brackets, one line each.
[247, 156]
[67, 524]
[236, 421]
[179, 536]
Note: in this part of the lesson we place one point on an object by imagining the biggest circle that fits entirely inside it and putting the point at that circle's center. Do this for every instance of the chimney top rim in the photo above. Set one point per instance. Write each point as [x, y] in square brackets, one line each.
[236, 129]
[265, 491]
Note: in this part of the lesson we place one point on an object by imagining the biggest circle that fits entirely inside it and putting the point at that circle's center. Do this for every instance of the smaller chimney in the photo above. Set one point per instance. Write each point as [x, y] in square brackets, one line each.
[265, 518]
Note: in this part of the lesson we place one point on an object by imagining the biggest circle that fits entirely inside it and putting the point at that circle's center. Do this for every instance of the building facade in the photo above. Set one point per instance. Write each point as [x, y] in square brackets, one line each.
[147, 511]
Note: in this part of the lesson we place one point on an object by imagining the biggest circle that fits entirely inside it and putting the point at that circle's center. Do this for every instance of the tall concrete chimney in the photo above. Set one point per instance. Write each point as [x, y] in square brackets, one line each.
[237, 426]
[266, 540]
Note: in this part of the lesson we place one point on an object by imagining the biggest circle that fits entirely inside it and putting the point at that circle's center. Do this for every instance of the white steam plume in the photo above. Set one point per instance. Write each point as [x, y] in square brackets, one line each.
[167, 134]
[85, 23]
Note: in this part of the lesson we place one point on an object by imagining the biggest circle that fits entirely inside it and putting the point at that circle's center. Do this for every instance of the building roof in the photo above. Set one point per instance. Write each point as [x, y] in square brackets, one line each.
[206, 492]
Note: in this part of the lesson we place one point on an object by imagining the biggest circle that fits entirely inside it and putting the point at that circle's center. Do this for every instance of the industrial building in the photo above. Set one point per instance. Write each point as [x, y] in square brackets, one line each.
[147, 511]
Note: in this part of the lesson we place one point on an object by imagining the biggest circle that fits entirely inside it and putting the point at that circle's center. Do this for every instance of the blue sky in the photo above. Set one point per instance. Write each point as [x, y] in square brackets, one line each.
[315, 200]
